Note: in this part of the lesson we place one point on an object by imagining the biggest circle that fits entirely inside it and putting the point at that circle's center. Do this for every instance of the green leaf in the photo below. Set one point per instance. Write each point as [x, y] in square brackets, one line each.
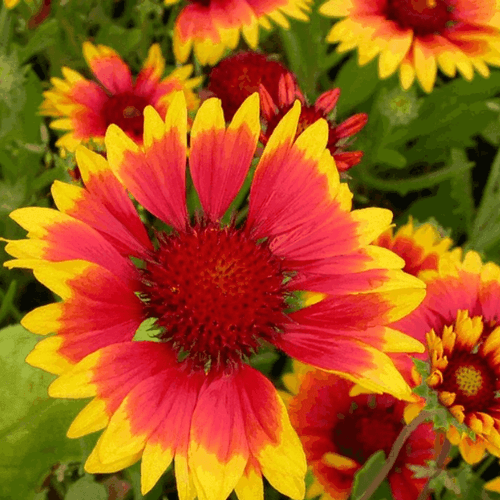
[43, 37]
[458, 107]
[32, 426]
[457, 166]
[12, 195]
[123, 40]
[264, 360]
[365, 476]
[391, 157]
[422, 367]
[147, 331]
[357, 84]
[86, 489]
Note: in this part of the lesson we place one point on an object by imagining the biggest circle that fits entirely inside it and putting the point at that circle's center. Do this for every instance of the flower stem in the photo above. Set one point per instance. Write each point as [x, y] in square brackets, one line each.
[393, 454]
[486, 463]
[443, 454]
[486, 216]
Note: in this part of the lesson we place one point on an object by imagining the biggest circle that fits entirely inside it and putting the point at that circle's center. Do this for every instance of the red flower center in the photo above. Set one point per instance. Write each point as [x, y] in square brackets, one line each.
[126, 111]
[215, 293]
[473, 382]
[424, 17]
[368, 428]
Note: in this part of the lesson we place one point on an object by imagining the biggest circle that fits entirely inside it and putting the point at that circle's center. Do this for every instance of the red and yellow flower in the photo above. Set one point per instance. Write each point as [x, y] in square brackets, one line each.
[420, 246]
[339, 135]
[210, 27]
[240, 75]
[86, 108]
[459, 319]
[214, 291]
[417, 36]
[339, 433]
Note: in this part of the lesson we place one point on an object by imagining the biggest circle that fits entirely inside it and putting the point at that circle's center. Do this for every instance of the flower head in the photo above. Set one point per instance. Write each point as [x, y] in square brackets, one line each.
[418, 35]
[86, 108]
[459, 320]
[210, 27]
[420, 246]
[274, 108]
[339, 433]
[240, 75]
[214, 292]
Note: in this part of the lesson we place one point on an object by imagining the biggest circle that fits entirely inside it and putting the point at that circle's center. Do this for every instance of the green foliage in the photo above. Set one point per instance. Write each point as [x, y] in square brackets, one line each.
[86, 489]
[365, 476]
[32, 426]
[357, 84]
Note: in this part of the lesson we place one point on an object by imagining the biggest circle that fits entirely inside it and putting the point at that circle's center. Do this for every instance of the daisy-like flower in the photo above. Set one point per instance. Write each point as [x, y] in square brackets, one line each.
[418, 35]
[86, 108]
[273, 110]
[215, 292]
[421, 247]
[459, 319]
[238, 76]
[210, 27]
[339, 433]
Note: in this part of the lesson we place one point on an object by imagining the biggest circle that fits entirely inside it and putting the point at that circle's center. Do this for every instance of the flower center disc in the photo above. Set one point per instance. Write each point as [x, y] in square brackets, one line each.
[425, 17]
[215, 293]
[470, 379]
[126, 111]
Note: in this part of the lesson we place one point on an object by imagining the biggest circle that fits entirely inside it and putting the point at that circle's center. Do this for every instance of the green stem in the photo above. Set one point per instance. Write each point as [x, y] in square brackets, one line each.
[405, 186]
[7, 305]
[445, 450]
[332, 60]
[393, 454]
[482, 469]
[294, 56]
[490, 195]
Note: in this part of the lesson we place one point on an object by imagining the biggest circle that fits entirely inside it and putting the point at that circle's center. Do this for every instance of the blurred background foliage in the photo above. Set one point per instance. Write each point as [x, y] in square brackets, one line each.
[429, 156]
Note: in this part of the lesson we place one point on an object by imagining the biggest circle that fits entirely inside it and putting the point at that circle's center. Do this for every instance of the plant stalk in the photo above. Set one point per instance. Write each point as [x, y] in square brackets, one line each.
[393, 454]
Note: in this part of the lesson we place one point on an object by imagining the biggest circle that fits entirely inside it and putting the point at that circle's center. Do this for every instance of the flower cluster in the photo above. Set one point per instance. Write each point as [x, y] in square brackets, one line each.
[207, 227]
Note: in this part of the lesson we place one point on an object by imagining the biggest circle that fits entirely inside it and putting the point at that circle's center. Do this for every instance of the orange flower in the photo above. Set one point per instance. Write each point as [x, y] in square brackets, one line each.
[418, 35]
[339, 135]
[86, 108]
[459, 319]
[211, 27]
[339, 433]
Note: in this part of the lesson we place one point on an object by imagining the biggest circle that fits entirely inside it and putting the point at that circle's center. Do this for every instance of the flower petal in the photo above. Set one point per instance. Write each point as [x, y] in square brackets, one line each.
[108, 67]
[218, 451]
[55, 236]
[271, 438]
[220, 159]
[98, 309]
[162, 163]
[103, 205]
